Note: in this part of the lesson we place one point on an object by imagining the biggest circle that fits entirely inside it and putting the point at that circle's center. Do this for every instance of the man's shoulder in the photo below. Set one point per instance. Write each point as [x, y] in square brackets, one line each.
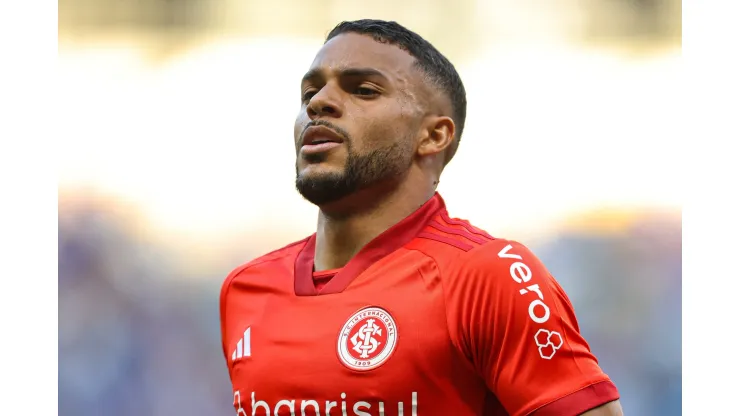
[488, 261]
[267, 261]
[498, 253]
[458, 244]
[289, 250]
[467, 254]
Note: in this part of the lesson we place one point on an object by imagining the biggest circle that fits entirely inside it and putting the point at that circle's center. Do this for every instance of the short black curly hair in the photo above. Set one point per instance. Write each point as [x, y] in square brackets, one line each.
[432, 63]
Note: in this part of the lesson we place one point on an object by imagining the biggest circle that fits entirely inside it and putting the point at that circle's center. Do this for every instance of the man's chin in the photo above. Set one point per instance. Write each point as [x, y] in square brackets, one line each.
[322, 189]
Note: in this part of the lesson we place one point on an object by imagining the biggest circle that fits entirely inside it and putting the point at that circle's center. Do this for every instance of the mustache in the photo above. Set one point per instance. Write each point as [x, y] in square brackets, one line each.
[340, 131]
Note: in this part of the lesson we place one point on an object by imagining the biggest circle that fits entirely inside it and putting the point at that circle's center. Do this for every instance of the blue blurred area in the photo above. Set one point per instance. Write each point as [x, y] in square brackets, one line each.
[137, 338]
[626, 291]
[134, 338]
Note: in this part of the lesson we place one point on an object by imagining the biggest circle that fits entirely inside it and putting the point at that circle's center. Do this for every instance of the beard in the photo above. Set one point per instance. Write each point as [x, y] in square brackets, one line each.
[361, 171]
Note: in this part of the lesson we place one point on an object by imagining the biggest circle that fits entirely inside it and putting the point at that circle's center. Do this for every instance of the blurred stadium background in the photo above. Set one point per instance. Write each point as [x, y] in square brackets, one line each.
[177, 166]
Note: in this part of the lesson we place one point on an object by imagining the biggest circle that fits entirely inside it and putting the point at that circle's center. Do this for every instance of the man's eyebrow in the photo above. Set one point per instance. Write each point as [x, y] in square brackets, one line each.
[346, 72]
[311, 74]
[362, 73]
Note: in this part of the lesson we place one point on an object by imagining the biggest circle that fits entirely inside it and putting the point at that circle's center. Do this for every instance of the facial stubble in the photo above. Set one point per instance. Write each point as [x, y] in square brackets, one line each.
[361, 171]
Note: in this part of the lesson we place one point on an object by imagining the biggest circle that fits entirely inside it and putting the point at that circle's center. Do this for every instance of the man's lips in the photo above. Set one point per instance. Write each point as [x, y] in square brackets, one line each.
[318, 135]
[320, 147]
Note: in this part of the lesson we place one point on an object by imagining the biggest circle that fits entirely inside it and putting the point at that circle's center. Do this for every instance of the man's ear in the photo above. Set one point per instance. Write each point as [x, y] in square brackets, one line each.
[438, 136]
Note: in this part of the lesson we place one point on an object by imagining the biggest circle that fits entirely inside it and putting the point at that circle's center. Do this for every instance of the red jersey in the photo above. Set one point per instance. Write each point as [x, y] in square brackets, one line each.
[432, 317]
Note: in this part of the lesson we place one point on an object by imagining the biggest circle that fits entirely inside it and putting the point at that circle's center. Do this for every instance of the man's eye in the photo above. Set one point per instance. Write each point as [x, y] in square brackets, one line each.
[308, 95]
[369, 92]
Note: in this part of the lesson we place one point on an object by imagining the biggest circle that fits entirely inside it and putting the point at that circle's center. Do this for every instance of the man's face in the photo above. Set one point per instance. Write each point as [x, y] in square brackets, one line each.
[358, 120]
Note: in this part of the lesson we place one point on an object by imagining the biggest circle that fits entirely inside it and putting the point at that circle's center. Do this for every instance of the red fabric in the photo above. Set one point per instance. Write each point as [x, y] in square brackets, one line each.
[433, 316]
[320, 279]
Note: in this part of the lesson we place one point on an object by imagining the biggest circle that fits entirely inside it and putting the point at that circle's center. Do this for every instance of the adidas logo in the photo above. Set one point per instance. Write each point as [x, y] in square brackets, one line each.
[244, 346]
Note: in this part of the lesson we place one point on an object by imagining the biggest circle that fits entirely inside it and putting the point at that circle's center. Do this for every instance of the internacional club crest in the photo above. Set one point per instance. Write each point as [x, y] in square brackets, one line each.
[367, 339]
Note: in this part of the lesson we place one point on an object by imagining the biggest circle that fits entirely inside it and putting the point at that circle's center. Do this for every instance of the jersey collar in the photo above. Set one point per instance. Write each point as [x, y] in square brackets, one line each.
[386, 243]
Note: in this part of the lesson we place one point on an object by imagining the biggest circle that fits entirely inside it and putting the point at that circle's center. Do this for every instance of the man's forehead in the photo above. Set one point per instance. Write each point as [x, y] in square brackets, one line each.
[352, 50]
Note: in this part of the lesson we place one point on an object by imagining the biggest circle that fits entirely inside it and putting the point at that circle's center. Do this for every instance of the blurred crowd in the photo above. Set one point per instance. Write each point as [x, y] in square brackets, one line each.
[139, 335]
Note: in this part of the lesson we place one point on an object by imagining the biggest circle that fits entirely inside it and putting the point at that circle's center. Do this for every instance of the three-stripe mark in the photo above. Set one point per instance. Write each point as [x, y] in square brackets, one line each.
[244, 346]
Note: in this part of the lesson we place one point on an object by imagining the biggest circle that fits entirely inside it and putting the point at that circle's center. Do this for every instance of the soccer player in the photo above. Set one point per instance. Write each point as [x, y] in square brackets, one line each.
[393, 307]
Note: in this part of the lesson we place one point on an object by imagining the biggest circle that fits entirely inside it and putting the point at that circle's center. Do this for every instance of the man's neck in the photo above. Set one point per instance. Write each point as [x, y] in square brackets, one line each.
[341, 237]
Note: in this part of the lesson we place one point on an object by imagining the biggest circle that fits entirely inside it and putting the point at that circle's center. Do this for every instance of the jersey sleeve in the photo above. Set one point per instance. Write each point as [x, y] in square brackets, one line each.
[516, 326]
